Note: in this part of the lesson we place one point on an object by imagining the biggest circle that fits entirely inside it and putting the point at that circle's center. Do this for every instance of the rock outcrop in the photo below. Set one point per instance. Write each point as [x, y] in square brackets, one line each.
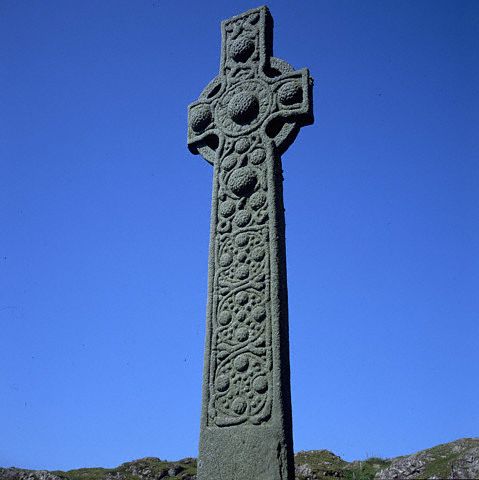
[454, 461]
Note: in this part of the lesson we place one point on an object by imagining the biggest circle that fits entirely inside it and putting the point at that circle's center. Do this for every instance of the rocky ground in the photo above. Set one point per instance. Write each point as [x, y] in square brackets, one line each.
[455, 460]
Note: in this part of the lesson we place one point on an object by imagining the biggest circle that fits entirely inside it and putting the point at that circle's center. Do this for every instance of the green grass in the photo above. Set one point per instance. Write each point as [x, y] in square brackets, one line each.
[130, 470]
[328, 466]
[85, 473]
[365, 470]
[443, 458]
[323, 463]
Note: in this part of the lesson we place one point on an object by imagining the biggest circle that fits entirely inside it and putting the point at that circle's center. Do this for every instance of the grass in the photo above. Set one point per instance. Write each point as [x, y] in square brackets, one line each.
[365, 470]
[132, 470]
[322, 464]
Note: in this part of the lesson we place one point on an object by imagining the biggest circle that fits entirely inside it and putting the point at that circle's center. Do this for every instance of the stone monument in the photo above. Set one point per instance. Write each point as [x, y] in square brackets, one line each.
[242, 122]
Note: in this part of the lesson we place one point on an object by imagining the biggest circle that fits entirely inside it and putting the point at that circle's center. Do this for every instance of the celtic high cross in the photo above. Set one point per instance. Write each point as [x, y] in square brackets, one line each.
[243, 121]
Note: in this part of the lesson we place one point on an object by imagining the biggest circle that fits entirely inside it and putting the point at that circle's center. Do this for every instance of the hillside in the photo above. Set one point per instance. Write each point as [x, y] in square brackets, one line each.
[454, 460]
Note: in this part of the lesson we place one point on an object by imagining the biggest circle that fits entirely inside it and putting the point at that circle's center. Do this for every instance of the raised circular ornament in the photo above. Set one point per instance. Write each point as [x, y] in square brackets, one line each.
[226, 259]
[241, 49]
[243, 107]
[242, 145]
[200, 118]
[222, 383]
[242, 218]
[259, 314]
[229, 162]
[242, 334]
[239, 406]
[241, 363]
[290, 93]
[257, 254]
[241, 239]
[225, 317]
[257, 156]
[242, 182]
[242, 272]
[227, 208]
[260, 384]
[257, 200]
[241, 298]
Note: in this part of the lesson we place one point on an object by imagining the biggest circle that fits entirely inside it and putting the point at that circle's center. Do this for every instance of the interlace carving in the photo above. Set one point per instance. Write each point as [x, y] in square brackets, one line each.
[243, 120]
[241, 335]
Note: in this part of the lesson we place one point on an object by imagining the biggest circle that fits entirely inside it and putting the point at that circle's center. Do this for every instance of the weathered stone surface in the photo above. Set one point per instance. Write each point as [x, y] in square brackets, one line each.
[455, 460]
[466, 465]
[244, 119]
[18, 474]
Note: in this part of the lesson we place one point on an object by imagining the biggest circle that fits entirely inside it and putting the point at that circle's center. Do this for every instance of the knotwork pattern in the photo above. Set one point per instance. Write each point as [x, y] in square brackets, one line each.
[241, 334]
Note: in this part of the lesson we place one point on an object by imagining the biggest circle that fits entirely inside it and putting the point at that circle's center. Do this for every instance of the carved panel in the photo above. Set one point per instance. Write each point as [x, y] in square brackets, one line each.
[241, 361]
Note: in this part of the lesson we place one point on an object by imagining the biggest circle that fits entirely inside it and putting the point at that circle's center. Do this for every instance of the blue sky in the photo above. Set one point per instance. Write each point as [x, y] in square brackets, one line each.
[105, 224]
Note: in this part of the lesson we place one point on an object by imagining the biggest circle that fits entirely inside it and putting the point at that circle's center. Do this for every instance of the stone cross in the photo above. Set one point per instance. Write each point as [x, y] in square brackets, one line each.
[243, 121]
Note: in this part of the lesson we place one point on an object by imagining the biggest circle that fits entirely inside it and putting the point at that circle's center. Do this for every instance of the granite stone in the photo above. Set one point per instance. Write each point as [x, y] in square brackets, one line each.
[243, 121]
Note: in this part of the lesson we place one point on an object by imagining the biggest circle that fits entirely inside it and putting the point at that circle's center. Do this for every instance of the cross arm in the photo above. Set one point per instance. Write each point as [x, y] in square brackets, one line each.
[203, 135]
[292, 106]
